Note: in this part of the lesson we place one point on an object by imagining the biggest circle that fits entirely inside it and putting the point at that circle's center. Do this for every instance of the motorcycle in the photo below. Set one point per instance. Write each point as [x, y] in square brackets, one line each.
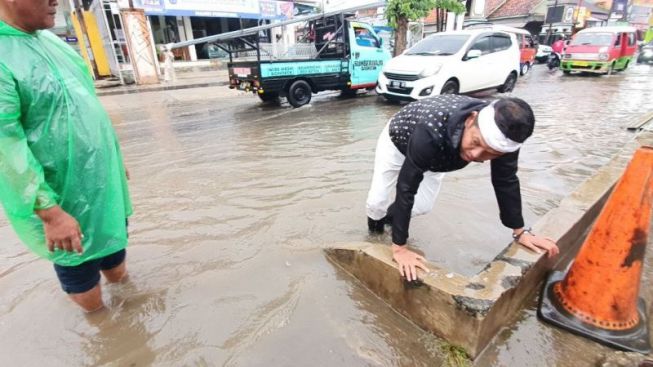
[554, 61]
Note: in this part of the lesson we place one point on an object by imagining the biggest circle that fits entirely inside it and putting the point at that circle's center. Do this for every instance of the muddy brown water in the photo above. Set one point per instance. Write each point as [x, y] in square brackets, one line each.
[234, 202]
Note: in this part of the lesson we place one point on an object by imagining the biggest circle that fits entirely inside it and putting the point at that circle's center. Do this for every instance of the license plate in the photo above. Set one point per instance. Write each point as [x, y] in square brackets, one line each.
[244, 86]
[580, 63]
[397, 84]
[242, 71]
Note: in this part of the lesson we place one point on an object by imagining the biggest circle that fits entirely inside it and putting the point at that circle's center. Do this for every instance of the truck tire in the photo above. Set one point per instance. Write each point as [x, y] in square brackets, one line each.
[299, 93]
[269, 97]
[348, 93]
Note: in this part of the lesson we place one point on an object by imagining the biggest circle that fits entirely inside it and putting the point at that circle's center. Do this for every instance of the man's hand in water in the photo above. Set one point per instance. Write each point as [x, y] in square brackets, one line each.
[538, 244]
[408, 262]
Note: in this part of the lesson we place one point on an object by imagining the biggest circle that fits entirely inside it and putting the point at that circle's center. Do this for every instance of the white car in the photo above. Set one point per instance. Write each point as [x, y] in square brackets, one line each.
[451, 63]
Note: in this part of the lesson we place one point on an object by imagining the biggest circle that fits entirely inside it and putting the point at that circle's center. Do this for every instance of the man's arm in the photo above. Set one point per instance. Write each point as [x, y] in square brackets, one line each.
[22, 185]
[507, 190]
[410, 176]
[420, 150]
[508, 193]
[23, 190]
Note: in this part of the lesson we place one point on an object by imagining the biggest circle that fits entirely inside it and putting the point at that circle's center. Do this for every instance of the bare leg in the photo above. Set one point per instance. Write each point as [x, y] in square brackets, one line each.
[89, 301]
[117, 274]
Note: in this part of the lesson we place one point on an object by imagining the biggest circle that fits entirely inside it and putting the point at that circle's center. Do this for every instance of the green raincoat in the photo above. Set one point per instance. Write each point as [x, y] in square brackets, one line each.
[57, 147]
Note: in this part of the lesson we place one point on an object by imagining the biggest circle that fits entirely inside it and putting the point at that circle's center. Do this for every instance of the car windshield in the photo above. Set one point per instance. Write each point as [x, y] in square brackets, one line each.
[594, 39]
[440, 45]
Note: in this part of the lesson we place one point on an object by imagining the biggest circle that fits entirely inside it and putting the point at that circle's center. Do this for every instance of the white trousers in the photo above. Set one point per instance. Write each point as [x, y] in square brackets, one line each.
[387, 163]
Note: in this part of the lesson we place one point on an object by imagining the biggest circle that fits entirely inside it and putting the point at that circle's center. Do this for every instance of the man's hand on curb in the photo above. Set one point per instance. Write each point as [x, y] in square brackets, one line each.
[408, 262]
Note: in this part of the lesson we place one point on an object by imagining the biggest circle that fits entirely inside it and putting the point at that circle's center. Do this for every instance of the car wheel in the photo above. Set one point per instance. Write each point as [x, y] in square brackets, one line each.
[299, 93]
[269, 97]
[525, 68]
[566, 72]
[509, 84]
[450, 87]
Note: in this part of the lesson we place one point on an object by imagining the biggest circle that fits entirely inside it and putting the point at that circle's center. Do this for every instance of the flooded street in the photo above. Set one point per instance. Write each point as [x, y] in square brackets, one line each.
[234, 202]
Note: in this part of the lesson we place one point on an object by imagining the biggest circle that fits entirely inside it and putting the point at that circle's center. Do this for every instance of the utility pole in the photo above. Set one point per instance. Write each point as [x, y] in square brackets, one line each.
[548, 38]
[79, 11]
[573, 26]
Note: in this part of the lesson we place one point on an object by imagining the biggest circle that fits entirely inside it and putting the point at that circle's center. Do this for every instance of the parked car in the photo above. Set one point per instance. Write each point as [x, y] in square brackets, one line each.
[527, 49]
[646, 54]
[600, 50]
[543, 53]
[526, 41]
[452, 62]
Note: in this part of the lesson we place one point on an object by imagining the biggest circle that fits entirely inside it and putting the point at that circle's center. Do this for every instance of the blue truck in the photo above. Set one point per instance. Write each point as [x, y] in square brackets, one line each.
[345, 55]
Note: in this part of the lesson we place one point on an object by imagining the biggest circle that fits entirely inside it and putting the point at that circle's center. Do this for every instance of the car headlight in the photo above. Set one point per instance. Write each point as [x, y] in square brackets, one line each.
[430, 70]
[603, 56]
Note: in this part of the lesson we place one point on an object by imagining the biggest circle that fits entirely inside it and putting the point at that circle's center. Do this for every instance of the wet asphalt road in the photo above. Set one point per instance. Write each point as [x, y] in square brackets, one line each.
[234, 202]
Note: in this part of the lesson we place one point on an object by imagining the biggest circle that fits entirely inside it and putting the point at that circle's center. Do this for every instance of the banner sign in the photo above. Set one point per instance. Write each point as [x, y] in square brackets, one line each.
[249, 9]
[619, 10]
[301, 68]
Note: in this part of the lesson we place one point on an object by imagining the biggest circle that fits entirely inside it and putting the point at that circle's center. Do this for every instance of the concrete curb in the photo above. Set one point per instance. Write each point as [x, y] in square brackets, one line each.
[469, 311]
[134, 90]
[642, 122]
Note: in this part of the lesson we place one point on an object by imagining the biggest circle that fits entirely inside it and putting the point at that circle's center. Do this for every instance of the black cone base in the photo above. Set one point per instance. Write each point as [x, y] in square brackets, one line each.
[635, 339]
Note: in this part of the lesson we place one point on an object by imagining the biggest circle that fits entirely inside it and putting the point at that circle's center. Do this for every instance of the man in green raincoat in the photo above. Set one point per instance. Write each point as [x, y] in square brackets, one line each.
[62, 181]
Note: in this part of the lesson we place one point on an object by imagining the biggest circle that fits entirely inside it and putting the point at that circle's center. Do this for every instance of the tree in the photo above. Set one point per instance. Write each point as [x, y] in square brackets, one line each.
[443, 7]
[400, 12]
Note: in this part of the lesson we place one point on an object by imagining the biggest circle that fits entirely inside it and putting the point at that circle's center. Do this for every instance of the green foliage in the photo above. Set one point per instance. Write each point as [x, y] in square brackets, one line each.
[455, 356]
[453, 6]
[412, 10]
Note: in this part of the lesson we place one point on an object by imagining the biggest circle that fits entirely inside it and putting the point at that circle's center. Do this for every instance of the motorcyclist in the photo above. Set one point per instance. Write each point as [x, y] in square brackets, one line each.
[557, 49]
[559, 45]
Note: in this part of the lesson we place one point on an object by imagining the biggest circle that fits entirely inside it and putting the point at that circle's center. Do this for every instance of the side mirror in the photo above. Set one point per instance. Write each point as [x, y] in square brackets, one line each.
[380, 42]
[473, 54]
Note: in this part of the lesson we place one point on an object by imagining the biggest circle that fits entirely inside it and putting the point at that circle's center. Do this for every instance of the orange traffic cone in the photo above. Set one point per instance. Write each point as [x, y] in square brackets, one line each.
[598, 298]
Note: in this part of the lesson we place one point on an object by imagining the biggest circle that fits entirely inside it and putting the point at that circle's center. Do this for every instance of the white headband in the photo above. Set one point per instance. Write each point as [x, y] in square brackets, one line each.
[491, 133]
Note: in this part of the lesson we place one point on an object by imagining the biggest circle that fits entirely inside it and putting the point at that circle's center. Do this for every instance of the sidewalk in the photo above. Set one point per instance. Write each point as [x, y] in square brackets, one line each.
[186, 78]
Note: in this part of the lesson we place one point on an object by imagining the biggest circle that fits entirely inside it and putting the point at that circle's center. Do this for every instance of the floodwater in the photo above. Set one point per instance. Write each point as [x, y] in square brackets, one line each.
[235, 201]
